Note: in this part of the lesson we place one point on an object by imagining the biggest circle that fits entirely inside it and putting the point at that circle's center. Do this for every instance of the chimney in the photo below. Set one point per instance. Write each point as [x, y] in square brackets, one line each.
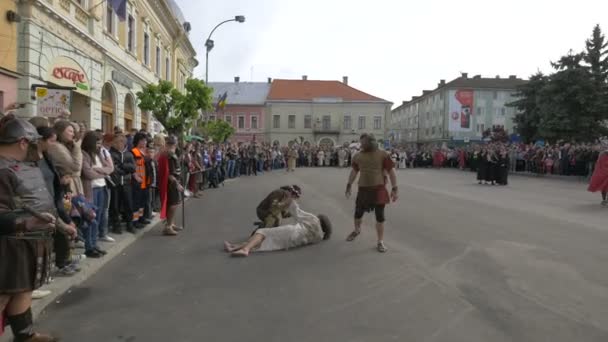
[497, 77]
[464, 75]
[345, 80]
[513, 77]
[269, 80]
[304, 77]
[403, 102]
[441, 83]
[236, 79]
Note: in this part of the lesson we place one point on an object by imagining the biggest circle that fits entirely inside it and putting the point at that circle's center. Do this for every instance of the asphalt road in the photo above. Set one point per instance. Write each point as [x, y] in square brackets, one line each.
[466, 263]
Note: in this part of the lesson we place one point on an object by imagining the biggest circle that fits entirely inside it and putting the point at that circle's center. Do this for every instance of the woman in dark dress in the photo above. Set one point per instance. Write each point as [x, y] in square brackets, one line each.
[492, 167]
[503, 168]
[474, 158]
[482, 166]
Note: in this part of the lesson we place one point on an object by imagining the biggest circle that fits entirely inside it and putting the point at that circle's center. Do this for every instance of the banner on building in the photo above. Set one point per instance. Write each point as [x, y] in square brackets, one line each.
[461, 110]
[65, 72]
[52, 102]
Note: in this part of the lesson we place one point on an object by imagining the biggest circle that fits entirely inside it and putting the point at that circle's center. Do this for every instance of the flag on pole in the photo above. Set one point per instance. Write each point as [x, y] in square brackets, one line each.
[120, 7]
[221, 102]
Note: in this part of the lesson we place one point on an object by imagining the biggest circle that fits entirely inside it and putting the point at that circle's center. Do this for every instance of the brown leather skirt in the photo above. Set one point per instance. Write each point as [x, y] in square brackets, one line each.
[370, 197]
[25, 264]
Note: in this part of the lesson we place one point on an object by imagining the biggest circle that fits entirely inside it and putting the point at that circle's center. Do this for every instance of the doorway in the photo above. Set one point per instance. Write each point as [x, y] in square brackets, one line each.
[108, 100]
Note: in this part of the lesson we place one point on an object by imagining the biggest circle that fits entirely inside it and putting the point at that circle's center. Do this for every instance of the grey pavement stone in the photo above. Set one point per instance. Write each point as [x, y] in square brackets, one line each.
[465, 263]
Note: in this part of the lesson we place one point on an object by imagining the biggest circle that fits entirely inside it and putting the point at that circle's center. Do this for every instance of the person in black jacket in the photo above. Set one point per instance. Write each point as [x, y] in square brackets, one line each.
[121, 201]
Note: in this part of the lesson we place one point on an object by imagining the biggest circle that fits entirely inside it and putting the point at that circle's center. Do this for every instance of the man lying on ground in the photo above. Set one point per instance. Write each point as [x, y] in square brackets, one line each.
[308, 229]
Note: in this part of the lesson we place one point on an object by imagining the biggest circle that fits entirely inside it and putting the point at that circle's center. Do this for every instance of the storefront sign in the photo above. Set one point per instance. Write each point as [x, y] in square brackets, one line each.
[121, 78]
[52, 102]
[65, 72]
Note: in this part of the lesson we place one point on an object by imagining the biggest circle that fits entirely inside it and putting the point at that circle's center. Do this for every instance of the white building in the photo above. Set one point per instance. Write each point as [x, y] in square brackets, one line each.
[322, 112]
[460, 110]
[83, 46]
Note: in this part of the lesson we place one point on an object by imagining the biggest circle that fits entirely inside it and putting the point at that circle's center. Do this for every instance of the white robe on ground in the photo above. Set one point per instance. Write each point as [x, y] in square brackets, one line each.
[306, 230]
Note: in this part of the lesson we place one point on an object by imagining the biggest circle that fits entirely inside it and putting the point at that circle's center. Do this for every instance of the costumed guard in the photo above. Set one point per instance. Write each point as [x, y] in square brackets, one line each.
[170, 189]
[27, 221]
[373, 164]
[275, 206]
[599, 179]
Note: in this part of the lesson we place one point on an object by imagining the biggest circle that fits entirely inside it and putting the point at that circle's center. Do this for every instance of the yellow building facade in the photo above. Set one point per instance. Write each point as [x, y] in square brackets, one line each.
[8, 54]
[103, 59]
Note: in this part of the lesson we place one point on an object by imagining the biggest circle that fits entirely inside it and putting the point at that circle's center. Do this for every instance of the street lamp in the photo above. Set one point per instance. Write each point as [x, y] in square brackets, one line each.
[209, 43]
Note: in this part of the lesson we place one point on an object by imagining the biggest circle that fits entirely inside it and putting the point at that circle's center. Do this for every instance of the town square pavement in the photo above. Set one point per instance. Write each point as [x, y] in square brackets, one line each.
[466, 263]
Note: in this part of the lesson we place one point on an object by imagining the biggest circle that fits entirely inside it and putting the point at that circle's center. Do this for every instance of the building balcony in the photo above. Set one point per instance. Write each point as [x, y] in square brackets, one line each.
[326, 129]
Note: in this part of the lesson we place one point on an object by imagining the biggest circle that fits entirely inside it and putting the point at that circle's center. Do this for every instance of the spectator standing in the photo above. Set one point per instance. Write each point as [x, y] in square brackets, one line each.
[122, 194]
[140, 180]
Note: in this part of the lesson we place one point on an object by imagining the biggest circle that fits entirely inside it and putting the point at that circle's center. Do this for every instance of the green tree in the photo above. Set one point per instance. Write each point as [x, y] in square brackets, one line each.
[218, 130]
[596, 51]
[596, 63]
[566, 102]
[175, 110]
[527, 120]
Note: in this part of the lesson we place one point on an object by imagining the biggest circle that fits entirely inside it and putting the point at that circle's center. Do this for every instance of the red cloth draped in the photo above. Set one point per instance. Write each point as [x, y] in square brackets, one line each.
[461, 159]
[163, 183]
[599, 180]
[438, 159]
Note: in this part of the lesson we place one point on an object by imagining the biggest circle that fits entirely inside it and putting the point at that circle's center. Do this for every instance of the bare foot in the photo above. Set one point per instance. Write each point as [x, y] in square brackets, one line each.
[228, 247]
[240, 253]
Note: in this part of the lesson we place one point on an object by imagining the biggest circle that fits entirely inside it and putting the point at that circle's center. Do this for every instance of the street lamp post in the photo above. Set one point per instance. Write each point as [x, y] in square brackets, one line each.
[209, 43]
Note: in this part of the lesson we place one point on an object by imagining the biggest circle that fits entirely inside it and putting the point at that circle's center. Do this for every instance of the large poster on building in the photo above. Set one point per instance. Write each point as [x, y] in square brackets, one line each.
[52, 102]
[461, 110]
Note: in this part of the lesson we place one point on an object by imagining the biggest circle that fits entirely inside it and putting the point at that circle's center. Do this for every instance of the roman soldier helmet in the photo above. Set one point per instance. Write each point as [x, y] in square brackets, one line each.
[294, 190]
[13, 129]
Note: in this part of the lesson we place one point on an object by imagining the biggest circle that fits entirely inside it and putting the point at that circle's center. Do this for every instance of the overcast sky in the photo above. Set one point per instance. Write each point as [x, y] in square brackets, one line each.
[390, 48]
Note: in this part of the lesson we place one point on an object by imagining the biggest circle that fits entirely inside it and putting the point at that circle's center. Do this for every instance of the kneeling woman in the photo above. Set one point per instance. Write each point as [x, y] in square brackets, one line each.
[308, 229]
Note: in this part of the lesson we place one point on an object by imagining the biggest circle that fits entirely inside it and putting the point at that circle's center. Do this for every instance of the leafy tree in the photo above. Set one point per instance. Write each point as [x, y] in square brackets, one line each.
[218, 130]
[175, 110]
[527, 120]
[572, 102]
[566, 102]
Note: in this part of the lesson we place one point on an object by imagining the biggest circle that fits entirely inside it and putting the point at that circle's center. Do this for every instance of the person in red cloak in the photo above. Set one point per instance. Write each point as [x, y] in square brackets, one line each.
[599, 179]
[438, 159]
[461, 159]
[170, 189]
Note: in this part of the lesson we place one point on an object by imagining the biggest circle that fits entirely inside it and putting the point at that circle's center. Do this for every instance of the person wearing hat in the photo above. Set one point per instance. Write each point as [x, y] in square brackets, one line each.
[373, 165]
[27, 221]
[275, 206]
[169, 185]
[307, 229]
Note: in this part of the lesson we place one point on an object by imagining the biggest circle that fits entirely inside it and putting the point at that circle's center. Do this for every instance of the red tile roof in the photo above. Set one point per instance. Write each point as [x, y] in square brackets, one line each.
[307, 90]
